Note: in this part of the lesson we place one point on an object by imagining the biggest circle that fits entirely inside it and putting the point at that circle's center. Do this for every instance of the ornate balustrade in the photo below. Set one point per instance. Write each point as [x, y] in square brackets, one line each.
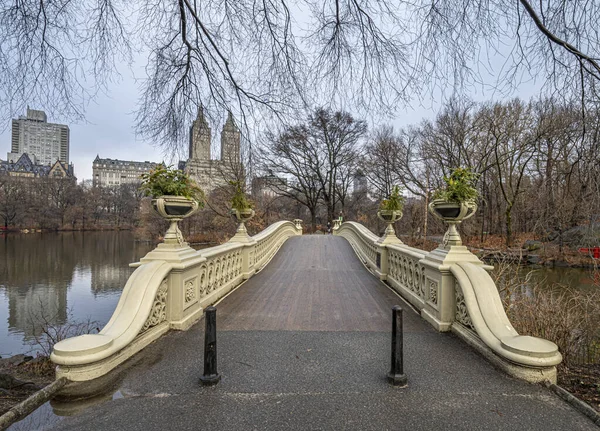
[269, 241]
[169, 290]
[362, 241]
[406, 274]
[452, 290]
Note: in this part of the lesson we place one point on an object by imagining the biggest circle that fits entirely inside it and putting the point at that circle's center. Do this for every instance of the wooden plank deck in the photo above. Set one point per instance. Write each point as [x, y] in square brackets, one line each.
[314, 283]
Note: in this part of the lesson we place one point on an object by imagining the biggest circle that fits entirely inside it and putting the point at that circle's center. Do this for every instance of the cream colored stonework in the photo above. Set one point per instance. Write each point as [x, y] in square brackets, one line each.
[453, 291]
[169, 289]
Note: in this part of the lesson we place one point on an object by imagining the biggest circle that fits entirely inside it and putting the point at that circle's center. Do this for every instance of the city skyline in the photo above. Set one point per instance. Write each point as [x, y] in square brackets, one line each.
[109, 127]
[107, 133]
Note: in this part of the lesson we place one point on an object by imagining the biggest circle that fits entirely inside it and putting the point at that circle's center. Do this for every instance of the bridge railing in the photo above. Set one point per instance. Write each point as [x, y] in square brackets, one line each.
[452, 290]
[169, 290]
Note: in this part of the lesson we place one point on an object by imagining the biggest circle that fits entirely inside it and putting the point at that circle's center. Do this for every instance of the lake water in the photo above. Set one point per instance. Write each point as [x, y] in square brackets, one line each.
[580, 278]
[60, 277]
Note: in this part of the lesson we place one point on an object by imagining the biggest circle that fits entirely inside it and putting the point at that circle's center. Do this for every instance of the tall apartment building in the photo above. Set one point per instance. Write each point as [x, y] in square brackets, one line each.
[268, 186]
[360, 183]
[209, 173]
[45, 142]
[113, 172]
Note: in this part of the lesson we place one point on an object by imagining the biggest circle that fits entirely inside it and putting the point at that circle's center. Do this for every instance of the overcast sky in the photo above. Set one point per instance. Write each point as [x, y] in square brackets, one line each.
[109, 132]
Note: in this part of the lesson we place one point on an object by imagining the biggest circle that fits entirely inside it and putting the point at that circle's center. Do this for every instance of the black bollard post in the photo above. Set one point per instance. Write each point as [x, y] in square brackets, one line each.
[396, 375]
[211, 376]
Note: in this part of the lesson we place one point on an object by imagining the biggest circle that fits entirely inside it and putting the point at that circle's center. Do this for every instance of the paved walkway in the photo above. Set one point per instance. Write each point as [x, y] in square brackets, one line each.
[304, 345]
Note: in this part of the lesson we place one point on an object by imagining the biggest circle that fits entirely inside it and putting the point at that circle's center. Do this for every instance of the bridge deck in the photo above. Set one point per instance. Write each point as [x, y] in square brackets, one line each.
[304, 345]
[321, 286]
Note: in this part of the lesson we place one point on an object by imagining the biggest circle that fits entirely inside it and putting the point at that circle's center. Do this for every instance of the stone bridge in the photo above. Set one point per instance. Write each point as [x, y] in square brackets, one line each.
[304, 341]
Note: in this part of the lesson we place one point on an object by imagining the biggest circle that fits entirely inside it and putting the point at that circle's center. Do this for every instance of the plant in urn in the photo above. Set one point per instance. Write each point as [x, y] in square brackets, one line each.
[241, 211]
[390, 211]
[455, 203]
[175, 197]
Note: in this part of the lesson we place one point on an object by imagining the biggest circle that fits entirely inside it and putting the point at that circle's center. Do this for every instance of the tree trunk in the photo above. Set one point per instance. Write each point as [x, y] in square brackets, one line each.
[508, 225]
[426, 213]
[330, 211]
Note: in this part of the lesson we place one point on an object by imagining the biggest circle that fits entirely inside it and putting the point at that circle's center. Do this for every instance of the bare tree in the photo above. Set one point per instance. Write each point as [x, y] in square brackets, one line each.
[57, 54]
[512, 134]
[275, 57]
[336, 138]
[290, 156]
[318, 156]
[382, 157]
[11, 199]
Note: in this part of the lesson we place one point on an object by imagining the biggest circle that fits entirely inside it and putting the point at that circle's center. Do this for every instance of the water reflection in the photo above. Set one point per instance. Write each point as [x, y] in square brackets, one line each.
[577, 278]
[40, 420]
[73, 276]
[523, 280]
[28, 306]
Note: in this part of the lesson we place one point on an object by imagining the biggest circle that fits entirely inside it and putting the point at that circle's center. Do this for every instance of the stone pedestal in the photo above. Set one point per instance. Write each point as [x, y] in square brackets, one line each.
[440, 303]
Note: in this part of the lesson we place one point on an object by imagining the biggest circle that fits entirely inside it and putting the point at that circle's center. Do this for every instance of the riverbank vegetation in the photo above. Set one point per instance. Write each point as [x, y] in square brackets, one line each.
[567, 316]
[22, 375]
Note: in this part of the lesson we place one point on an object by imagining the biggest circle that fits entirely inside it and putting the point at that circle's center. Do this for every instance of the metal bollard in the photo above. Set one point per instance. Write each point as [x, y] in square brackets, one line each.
[211, 376]
[396, 375]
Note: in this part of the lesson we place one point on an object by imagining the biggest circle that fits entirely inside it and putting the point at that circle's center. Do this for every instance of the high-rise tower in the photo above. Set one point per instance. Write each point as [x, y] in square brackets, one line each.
[200, 138]
[230, 142]
[42, 141]
[210, 174]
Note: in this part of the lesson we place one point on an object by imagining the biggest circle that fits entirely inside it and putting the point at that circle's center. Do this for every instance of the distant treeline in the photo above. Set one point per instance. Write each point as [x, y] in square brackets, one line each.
[538, 164]
[60, 203]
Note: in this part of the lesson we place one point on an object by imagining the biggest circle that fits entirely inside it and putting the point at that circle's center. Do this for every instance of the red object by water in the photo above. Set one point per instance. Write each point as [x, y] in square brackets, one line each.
[595, 251]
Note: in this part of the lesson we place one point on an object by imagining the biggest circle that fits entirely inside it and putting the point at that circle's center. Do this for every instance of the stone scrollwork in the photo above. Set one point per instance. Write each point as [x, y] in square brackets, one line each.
[190, 290]
[407, 271]
[445, 239]
[203, 286]
[433, 291]
[421, 281]
[158, 314]
[462, 314]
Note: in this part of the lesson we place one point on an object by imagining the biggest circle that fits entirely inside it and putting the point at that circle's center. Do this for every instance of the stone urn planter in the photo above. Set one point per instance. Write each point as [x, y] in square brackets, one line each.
[298, 223]
[241, 216]
[174, 209]
[389, 217]
[452, 213]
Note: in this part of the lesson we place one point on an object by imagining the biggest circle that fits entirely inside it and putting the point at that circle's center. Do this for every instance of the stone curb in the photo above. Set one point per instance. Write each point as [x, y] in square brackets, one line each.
[25, 407]
[581, 406]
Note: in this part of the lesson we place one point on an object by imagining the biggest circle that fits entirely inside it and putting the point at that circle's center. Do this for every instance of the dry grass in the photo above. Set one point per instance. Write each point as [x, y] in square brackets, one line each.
[568, 317]
[40, 371]
[49, 329]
